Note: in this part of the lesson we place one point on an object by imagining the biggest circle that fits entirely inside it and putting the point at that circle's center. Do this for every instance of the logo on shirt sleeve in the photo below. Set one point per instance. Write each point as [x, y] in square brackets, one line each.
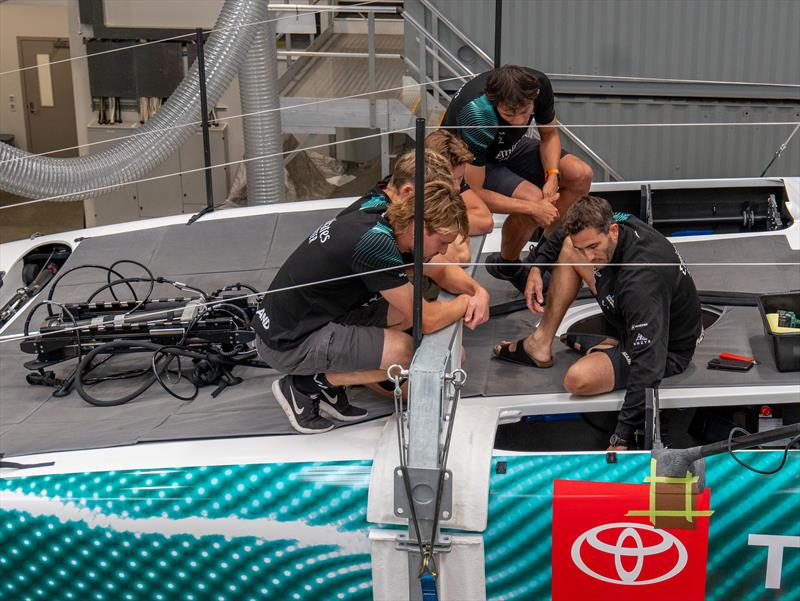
[608, 302]
[263, 318]
[323, 232]
[682, 266]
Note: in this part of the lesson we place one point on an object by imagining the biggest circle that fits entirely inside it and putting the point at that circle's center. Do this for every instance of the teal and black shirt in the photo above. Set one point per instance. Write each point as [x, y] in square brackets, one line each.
[374, 199]
[354, 243]
[484, 130]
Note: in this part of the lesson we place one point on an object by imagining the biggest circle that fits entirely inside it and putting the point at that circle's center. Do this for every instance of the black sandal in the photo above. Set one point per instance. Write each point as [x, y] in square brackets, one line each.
[584, 343]
[518, 356]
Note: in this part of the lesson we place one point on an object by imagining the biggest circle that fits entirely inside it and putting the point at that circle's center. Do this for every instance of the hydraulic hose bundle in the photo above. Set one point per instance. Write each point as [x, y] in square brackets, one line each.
[197, 339]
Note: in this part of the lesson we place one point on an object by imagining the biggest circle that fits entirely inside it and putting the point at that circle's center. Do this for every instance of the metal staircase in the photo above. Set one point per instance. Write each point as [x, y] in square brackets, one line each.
[371, 84]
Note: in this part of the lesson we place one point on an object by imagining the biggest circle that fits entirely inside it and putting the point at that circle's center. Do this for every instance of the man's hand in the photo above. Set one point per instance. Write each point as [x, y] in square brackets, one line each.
[550, 188]
[477, 309]
[544, 211]
[534, 296]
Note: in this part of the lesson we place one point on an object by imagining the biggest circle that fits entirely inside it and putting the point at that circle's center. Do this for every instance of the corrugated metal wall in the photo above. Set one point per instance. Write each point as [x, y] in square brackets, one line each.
[753, 41]
[731, 40]
[672, 152]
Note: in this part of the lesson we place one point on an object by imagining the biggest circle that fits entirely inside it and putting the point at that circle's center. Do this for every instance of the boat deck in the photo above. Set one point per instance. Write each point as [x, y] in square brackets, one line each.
[33, 421]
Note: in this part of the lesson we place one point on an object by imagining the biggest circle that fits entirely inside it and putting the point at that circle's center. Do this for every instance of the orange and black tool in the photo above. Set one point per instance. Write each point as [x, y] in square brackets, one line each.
[732, 357]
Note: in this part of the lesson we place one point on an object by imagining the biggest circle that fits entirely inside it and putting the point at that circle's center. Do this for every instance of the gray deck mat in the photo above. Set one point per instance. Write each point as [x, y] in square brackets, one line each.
[32, 421]
[757, 279]
[738, 331]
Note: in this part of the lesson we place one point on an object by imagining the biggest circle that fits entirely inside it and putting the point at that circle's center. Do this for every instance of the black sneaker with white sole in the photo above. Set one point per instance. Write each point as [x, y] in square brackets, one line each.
[301, 409]
[497, 268]
[333, 402]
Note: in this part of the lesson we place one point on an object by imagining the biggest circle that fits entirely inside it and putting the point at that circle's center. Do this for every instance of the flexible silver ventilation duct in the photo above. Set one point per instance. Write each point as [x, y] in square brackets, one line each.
[130, 159]
[258, 83]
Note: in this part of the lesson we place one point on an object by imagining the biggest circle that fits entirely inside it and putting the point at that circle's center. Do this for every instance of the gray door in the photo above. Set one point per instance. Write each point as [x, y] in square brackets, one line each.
[47, 93]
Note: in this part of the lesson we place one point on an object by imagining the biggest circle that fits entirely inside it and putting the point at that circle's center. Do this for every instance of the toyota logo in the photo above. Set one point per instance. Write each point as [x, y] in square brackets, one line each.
[628, 530]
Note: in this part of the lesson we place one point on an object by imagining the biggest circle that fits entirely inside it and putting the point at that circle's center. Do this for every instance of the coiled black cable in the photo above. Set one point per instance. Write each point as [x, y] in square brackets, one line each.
[113, 347]
[791, 442]
[211, 363]
[138, 264]
[61, 275]
[65, 385]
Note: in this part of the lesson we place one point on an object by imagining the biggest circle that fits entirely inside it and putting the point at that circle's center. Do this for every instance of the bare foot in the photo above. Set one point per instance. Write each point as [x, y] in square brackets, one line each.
[532, 351]
[538, 347]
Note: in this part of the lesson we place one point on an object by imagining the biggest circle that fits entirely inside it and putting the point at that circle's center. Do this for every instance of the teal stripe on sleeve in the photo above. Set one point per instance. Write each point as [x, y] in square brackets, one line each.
[480, 121]
[376, 249]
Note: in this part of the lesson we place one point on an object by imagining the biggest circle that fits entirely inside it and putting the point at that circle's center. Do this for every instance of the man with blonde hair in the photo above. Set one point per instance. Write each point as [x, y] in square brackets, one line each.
[336, 312]
[446, 158]
[437, 167]
[458, 155]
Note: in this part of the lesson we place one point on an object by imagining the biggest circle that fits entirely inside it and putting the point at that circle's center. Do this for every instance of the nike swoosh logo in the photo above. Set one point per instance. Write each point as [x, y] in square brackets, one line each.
[297, 409]
[331, 399]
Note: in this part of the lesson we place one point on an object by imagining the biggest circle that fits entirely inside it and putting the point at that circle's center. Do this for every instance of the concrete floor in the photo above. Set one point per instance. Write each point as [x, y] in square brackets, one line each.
[21, 222]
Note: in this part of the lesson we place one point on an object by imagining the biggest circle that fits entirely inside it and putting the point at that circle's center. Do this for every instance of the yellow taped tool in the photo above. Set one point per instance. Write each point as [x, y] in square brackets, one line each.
[772, 320]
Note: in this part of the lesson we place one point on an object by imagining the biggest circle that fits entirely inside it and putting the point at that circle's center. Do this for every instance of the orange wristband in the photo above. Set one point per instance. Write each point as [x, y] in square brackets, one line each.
[552, 170]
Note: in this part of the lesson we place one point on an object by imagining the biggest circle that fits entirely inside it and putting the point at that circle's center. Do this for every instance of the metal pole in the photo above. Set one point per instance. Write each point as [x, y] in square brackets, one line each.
[371, 67]
[419, 224]
[423, 76]
[201, 73]
[498, 25]
[435, 57]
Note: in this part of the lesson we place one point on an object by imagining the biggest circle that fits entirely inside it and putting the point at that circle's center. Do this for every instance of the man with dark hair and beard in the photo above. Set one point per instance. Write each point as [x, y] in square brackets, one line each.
[645, 292]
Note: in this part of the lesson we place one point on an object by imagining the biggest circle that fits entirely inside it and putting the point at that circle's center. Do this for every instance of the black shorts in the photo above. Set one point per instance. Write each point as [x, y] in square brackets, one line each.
[524, 164]
[676, 363]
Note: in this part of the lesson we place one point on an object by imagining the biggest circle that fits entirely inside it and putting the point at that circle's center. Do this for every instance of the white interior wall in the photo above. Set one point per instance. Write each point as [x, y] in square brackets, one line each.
[181, 14]
[25, 18]
[146, 13]
[60, 18]
[184, 14]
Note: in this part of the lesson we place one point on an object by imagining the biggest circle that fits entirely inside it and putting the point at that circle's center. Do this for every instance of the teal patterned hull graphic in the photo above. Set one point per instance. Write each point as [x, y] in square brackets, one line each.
[518, 540]
[299, 531]
[278, 531]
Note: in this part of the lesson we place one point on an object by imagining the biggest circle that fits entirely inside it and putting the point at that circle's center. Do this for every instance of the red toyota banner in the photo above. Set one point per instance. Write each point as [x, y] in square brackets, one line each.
[605, 546]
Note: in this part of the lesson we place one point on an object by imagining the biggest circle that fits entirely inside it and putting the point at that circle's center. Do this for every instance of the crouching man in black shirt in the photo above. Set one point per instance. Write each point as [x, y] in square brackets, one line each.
[654, 307]
[336, 312]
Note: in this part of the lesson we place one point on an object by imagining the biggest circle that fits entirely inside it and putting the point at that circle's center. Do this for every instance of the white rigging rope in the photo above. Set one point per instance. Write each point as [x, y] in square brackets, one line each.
[199, 169]
[227, 118]
[154, 314]
[186, 36]
[360, 138]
